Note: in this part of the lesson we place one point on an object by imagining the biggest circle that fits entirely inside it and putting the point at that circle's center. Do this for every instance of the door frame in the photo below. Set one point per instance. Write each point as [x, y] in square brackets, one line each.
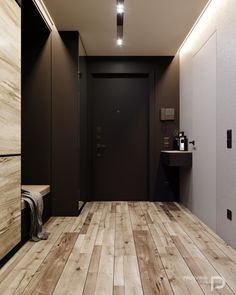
[151, 165]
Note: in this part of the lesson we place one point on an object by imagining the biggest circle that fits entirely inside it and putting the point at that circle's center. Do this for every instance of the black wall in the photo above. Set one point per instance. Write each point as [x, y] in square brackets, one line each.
[65, 123]
[50, 110]
[164, 92]
[36, 97]
[84, 155]
[56, 141]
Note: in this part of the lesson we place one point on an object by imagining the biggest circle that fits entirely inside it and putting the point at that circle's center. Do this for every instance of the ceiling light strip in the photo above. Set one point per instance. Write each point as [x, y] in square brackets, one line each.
[120, 8]
[120, 21]
[195, 24]
[44, 13]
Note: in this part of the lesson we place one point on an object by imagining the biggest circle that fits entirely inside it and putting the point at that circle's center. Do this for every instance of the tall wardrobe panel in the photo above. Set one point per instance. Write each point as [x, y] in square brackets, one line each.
[10, 69]
[10, 125]
[65, 124]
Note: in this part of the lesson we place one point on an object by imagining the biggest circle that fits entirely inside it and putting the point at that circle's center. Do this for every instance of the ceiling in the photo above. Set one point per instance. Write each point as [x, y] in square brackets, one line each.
[151, 27]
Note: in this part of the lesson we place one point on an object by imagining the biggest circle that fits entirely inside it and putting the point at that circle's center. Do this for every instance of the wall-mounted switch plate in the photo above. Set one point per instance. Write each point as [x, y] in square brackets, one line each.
[229, 214]
[166, 142]
[229, 139]
[167, 114]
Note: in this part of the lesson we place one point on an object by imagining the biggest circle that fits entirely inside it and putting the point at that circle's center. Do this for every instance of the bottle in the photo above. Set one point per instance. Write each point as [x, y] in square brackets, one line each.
[183, 142]
[176, 140]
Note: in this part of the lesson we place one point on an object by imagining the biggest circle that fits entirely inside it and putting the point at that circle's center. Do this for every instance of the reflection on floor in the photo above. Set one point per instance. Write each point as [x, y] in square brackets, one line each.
[124, 248]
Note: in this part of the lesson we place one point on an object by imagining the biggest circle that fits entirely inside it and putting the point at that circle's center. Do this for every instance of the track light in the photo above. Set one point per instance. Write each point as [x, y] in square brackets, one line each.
[119, 42]
[120, 8]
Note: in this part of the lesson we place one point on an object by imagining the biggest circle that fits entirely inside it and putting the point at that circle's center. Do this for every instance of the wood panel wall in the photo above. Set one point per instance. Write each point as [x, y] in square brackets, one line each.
[10, 125]
[10, 204]
[10, 77]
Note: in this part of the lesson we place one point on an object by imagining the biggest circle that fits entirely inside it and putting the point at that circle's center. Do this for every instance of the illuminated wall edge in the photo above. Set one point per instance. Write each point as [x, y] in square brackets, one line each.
[44, 13]
[199, 25]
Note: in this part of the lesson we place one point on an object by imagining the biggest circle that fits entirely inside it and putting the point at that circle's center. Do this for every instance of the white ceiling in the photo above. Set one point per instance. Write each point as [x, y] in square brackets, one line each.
[151, 27]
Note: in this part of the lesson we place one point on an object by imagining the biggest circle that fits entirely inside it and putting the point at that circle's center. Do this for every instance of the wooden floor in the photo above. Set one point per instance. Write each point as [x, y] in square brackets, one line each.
[124, 248]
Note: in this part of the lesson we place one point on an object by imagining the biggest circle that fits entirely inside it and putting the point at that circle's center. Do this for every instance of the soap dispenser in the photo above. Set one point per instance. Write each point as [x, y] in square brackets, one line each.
[183, 142]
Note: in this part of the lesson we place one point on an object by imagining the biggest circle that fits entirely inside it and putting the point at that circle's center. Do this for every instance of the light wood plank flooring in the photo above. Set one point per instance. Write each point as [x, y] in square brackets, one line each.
[121, 248]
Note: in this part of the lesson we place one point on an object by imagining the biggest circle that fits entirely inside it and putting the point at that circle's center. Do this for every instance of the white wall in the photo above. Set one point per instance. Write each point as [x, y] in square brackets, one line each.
[219, 18]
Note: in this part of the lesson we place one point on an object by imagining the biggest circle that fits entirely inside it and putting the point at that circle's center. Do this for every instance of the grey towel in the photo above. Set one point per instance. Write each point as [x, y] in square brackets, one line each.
[35, 202]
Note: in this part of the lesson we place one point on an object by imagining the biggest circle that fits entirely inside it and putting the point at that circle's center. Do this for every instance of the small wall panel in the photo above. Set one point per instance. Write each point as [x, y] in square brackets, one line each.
[10, 204]
[10, 77]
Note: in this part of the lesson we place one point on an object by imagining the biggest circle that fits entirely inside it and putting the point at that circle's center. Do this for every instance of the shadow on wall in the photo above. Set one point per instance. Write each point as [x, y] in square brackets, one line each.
[186, 187]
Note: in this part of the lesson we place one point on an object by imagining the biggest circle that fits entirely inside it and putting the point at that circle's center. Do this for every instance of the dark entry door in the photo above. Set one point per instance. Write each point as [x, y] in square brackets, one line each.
[120, 137]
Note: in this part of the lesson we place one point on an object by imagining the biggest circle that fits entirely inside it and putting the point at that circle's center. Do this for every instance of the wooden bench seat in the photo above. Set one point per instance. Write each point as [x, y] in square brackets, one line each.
[25, 216]
[42, 189]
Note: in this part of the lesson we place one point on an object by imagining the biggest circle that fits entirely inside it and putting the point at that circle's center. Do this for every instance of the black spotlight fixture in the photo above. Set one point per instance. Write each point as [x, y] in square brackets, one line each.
[120, 21]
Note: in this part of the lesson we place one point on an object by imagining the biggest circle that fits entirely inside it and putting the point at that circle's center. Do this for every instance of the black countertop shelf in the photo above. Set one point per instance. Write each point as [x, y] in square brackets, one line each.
[176, 158]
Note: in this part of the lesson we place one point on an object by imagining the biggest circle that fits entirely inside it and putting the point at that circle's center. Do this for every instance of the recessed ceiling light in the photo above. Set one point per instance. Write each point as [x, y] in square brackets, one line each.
[120, 8]
[119, 42]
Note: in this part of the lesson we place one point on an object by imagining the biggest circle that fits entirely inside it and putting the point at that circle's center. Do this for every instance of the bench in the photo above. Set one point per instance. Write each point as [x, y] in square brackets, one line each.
[25, 216]
[44, 190]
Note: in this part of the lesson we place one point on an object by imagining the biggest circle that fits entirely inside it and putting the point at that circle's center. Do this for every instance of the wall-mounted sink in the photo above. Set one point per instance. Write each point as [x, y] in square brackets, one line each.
[176, 158]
